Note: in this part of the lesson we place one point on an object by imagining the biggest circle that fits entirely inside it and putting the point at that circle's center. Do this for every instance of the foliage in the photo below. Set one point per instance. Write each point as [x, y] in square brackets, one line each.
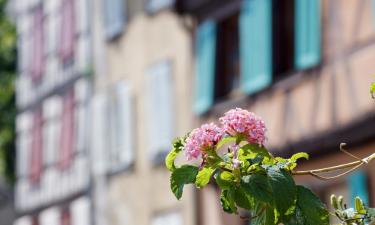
[359, 215]
[372, 89]
[249, 176]
[7, 94]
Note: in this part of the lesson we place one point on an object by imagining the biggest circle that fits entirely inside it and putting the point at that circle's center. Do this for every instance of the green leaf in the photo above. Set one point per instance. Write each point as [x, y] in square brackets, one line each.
[225, 180]
[372, 89]
[181, 176]
[310, 210]
[178, 145]
[283, 189]
[224, 141]
[252, 151]
[241, 198]
[258, 186]
[227, 202]
[371, 212]
[299, 155]
[263, 215]
[204, 176]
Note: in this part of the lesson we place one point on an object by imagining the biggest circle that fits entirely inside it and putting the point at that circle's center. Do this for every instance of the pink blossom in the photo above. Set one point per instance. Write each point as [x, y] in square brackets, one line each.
[242, 122]
[207, 136]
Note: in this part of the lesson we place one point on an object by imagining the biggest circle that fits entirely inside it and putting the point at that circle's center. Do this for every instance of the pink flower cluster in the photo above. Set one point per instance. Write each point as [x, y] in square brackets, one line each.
[242, 122]
[234, 122]
[201, 138]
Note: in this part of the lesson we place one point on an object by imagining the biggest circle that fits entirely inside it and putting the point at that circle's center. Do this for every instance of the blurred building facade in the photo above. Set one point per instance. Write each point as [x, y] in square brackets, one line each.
[53, 91]
[142, 101]
[305, 66]
[105, 85]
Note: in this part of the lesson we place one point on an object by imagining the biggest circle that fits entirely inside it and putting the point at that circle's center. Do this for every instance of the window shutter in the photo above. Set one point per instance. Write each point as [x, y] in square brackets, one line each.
[159, 109]
[172, 218]
[25, 220]
[99, 135]
[80, 209]
[50, 216]
[68, 30]
[114, 17]
[205, 66]
[307, 33]
[358, 186]
[256, 45]
[122, 154]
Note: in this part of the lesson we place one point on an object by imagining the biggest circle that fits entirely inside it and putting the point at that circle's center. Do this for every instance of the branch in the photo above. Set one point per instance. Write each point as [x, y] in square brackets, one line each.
[355, 164]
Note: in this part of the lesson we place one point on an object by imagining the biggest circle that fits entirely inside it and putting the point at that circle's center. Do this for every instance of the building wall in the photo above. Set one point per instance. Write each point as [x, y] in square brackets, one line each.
[315, 109]
[52, 89]
[152, 54]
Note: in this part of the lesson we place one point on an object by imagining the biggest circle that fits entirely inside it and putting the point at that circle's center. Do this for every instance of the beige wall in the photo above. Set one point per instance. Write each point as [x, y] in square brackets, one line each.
[139, 194]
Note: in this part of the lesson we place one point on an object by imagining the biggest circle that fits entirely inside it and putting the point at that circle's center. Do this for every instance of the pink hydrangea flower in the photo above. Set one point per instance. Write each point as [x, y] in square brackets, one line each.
[242, 122]
[206, 136]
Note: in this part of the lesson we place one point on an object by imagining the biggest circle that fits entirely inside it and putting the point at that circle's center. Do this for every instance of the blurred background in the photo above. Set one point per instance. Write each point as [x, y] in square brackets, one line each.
[93, 91]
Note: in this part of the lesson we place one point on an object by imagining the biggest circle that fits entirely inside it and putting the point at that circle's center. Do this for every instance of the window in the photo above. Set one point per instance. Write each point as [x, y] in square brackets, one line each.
[37, 61]
[283, 37]
[227, 59]
[114, 17]
[67, 131]
[122, 127]
[159, 109]
[247, 45]
[65, 217]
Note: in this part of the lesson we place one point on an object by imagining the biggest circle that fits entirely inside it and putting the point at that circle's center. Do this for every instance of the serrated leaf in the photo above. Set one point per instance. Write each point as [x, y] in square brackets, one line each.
[241, 198]
[181, 176]
[204, 176]
[310, 210]
[284, 190]
[224, 141]
[299, 155]
[227, 202]
[225, 180]
[263, 215]
[258, 186]
[178, 145]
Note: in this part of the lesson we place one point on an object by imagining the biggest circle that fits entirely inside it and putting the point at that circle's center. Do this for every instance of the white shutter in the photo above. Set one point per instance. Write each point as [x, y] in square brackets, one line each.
[24, 123]
[82, 57]
[82, 16]
[167, 219]
[154, 6]
[99, 131]
[80, 210]
[122, 127]
[159, 108]
[26, 220]
[50, 216]
[81, 91]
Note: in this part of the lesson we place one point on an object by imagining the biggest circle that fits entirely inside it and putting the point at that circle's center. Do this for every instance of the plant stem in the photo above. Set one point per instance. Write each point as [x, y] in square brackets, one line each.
[335, 168]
